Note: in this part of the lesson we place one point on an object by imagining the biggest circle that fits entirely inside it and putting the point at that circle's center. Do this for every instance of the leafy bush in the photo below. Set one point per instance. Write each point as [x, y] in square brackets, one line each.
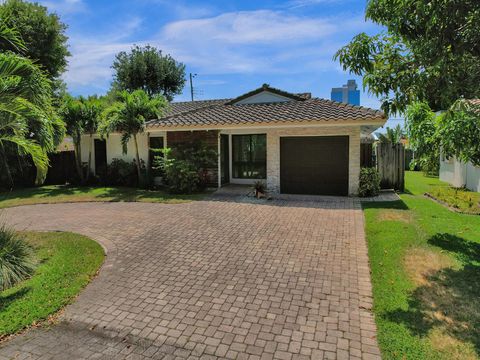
[16, 258]
[123, 173]
[186, 167]
[181, 176]
[369, 182]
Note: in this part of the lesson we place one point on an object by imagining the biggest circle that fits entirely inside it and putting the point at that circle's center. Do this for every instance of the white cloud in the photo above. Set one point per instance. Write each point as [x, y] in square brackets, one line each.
[250, 27]
[246, 42]
[92, 58]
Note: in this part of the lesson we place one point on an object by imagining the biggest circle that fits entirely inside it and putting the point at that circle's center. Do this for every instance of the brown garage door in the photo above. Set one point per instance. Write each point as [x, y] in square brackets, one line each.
[316, 165]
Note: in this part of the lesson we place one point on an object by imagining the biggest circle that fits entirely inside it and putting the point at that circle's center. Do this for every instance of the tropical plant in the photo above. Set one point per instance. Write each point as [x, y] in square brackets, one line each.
[146, 68]
[42, 32]
[430, 52]
[128, 117]
[459, 131]
[28, 123]
[122, 173]
[185, 167]
[181, 175]
[369, 182]
[16, 258]
[259, 187]
[423, 136]
[391, 135]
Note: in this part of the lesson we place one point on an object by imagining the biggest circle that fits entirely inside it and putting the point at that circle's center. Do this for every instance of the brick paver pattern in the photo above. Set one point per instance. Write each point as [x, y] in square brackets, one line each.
[212, 279]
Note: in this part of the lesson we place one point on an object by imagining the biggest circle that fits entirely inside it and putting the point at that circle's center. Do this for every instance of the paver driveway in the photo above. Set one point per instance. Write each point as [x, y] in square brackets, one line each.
[212, 279]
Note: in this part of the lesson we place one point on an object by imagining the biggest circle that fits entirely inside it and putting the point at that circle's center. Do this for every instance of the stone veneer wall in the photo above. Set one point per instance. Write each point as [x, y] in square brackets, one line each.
[273, 151]
[208, 138]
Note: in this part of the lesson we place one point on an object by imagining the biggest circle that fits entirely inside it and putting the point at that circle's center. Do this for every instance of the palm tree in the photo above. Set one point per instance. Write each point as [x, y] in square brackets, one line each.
[393, 136]
[28, 123]
[128, 117]
[92, 112]
[22, 88]
[72, 113]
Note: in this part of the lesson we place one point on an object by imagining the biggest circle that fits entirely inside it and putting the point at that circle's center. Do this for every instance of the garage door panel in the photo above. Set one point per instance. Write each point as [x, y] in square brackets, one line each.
[314, 165]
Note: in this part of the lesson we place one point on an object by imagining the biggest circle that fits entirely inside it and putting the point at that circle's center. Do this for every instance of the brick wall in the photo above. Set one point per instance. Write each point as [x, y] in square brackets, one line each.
[208, 138]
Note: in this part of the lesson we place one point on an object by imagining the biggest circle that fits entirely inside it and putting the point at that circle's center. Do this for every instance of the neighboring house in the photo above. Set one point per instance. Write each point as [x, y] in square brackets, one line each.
[295, 143]
[459, 174]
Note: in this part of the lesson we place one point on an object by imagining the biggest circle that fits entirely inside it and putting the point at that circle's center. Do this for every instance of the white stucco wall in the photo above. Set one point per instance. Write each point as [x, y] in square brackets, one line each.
[473, 177]
[273, 150]
[114, 147]
[459, 174]
[453, 172]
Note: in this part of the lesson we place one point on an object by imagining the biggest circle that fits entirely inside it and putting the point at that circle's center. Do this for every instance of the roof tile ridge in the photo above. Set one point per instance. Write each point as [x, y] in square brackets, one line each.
[182, 113]
[352, 106]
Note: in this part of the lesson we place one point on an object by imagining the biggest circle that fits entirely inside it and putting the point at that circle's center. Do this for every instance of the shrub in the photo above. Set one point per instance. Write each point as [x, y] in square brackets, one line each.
[369, 182]
[259, 186]
[16, 258]
[185, 168]
[182, 176]
[123, 173]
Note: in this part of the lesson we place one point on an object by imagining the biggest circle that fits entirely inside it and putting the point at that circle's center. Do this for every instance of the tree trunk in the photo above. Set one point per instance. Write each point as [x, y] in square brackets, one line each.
[139, 171]
[78, 159]
[7, 168]
[90, 157]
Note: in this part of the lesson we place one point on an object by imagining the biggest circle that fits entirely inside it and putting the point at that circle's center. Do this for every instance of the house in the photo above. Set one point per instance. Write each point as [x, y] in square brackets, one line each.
[460, 174]
[295, 143]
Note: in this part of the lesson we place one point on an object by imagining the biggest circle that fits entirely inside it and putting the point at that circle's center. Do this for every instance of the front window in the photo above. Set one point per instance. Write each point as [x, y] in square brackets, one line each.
[249, 156]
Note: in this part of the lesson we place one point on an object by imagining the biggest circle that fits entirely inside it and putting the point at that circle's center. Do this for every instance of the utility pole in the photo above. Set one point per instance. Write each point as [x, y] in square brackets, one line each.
[191, 84]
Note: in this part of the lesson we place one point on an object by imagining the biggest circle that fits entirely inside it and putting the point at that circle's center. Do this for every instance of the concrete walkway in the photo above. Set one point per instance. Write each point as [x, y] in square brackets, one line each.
[278, 279]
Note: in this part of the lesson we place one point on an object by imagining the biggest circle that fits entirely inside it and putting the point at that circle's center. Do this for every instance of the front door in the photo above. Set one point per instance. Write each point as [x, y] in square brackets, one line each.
[100, 147]
[224, 159]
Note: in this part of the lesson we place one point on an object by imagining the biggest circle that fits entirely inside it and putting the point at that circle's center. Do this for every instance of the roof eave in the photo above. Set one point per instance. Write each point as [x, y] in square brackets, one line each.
[273, 124]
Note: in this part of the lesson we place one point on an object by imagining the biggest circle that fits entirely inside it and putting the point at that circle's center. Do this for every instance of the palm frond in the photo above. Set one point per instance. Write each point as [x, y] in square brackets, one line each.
[17, 262]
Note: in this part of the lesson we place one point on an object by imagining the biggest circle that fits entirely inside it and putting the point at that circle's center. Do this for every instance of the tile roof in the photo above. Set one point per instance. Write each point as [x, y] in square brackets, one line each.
[219, 112]
[301, 107]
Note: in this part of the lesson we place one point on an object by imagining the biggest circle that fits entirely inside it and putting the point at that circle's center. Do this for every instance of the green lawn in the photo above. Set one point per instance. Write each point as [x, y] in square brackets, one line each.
[61, 194]
[67, 262]
[425, 262]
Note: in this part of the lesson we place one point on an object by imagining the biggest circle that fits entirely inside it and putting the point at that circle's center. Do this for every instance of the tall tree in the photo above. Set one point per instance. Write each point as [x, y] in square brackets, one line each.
[42, 33]
[430, 52]
[28, 124]
[128, 117]
[147, 69]
[72, 114]
[423, 136]
[459, 131]
[92, 108]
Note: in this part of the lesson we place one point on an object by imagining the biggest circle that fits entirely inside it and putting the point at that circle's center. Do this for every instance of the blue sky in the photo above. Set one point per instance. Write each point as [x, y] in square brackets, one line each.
[233, 46]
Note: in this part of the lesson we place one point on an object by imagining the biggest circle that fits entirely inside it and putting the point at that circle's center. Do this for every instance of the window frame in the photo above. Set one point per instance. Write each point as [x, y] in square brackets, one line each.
[250, 163]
